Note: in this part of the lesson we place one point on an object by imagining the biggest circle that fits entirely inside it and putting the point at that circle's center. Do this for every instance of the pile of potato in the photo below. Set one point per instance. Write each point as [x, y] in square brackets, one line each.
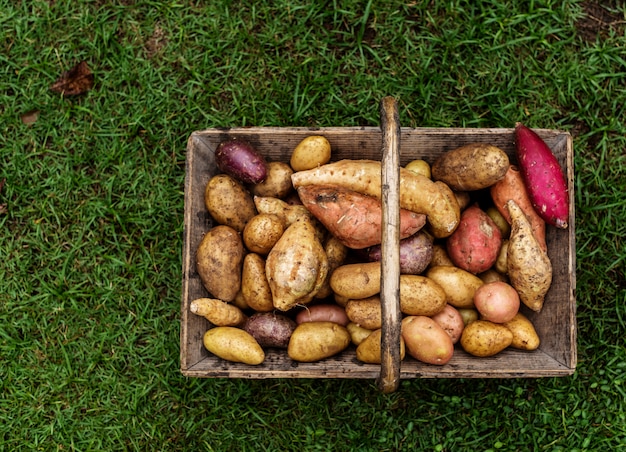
[294, 260]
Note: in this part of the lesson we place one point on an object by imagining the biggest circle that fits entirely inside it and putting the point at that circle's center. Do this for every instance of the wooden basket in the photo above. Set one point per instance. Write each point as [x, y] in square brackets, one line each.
[555, 324]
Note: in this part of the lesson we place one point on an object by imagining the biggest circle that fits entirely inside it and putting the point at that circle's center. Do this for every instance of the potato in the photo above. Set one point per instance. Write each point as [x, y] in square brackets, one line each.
[458, 284]
[471, 167]
[491, 275]
[475, 244]
[219, 259]
[369, 350]
[497, 302]
[416, 252]
[426, 341]
[233, 344]
[420, 295]
[323, 313]
[440, 256]
[314, 341]
[228, 202]
[262, 232]
[218, 312]
[240, 302]
[254, 284]
[484, 338]
[451, 320]
[240, 159]
[463, 198]
[525, 336]
[310, 153]
[469, 315]
[419, 166]
[336, 252]
[355, 281]
[500, 265]
[270, 329]
[277, 184]
[500, 221]
[297, 266]
[365, 312]
[357, 333]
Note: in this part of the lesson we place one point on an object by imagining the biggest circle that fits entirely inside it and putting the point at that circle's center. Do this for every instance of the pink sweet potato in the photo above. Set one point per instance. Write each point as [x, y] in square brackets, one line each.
[543, 176]
[354, 218]
[512, 186]
[475, 243]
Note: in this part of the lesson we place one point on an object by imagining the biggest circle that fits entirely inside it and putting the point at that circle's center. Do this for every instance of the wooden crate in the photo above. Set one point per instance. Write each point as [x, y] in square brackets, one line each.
[556, 324]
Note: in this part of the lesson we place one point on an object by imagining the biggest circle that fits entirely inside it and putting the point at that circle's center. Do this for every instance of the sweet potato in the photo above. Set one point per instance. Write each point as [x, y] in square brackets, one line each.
[529, 267]
[475, 244]
[543, 176]
[355, 219]
[417, 193]
[241, 160]
[513, 187]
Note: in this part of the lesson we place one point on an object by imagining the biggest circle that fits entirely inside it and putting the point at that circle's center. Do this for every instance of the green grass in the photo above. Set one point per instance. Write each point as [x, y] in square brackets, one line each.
[91, 240]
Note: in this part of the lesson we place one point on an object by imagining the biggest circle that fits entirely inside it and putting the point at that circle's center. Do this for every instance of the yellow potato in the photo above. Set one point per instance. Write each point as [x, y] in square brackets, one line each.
[525, 336]
[355, 281]
[277, 184]
[500, 266]
[228, 202]
[471, 167]
[500, 221]
[419, 166]
[219, 258]
[483, 338]
[369, 350]
[314, 341]
[357, 333]
[459, 285]
[420, 295]
[233, 344]
[262, 232]
[218, 312]
[311, 152]
[426, 341]
[336, 252]
[463, 199]
[365, 312]
[254, 285]
[491, 275]
[469, 315]
[440, 256]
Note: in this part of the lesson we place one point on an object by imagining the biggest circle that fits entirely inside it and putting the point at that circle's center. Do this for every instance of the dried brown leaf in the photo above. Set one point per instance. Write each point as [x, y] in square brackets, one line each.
[30, 117]
[74, 82]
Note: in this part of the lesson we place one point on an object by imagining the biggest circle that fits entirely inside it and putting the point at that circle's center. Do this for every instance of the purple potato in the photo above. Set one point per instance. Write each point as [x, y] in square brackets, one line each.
[241, 160]
[270, 329]
[416, 253]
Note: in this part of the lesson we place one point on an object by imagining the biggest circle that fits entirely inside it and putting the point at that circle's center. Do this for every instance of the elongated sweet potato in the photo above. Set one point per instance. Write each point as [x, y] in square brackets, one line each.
[355, 219]
[513, 187]
[529, 267]
[417, 193]
[543, 175]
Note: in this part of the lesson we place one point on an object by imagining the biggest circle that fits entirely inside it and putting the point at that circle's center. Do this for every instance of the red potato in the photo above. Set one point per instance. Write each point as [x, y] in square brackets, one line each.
[323, 313]
[497, 302]
[416, 252]
[543, 176]
[354, 218]
[451, 320]
[475, 244]
[270, 329]
[240, 159]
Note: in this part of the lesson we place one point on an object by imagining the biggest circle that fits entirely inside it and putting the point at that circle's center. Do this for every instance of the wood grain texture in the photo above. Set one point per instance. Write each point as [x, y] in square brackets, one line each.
[556, 324]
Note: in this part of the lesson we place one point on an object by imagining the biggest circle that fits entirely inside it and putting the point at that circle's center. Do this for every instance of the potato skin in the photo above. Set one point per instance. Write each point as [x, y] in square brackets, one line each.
[483, 338]
[476, 242]
[355, 281]
[262, 232]
[270, 329]
[525, 336]
[459, 285]
[497, 302]
[420, 295]
[323, 313]
[219, 259]
[369, 350]
[471, 167]
[233, 344]
[416, 252]
[451, 320]
[314, 341]
[254, 285]
[239, 159]
[218, 312]
[426, 341]
[357, 333]
[310, 153]
[228, 202]
[277, 184]
[365, 312]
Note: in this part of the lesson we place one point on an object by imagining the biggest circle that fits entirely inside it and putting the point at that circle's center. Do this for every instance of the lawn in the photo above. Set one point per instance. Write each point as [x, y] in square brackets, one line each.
[91, 210]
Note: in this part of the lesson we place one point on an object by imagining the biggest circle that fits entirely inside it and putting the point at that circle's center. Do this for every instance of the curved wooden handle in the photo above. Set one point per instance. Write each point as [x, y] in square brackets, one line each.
[389, 379]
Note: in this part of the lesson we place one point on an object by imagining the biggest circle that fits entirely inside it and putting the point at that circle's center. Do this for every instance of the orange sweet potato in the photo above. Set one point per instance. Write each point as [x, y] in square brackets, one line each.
[512, 187]
[354, 218]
